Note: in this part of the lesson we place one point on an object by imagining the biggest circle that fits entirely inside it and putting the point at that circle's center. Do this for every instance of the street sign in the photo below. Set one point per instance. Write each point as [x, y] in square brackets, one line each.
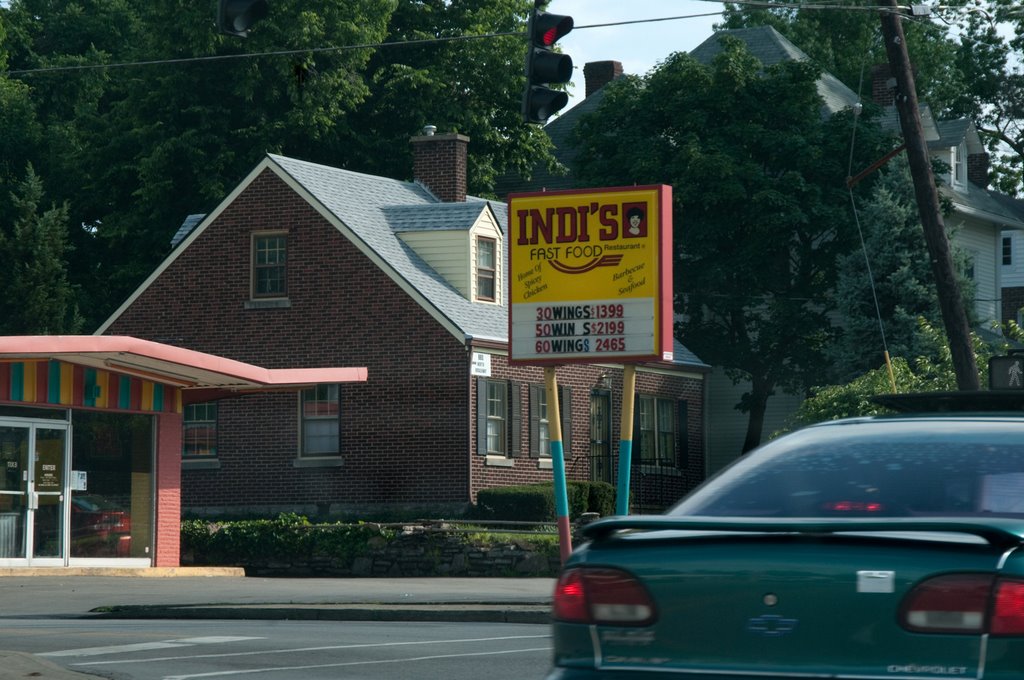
[590, 275]
[1006, 373]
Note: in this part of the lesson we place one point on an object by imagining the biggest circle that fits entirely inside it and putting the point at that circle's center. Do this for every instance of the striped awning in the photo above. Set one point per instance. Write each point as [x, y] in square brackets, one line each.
[200, 376]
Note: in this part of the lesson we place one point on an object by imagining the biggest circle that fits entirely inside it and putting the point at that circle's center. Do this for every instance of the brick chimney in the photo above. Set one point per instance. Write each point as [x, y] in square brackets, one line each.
[600, 73]
[977, 169]
[883, 85]
[439, 163]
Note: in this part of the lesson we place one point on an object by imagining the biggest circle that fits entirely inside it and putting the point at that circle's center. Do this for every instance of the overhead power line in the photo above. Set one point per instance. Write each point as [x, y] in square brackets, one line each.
[423, 41]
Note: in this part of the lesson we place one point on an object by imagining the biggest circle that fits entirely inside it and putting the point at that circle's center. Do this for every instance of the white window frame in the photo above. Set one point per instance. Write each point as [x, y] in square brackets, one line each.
[489, 273]
[196, 416]
[320, 432]
[656, 427]
[257, 266]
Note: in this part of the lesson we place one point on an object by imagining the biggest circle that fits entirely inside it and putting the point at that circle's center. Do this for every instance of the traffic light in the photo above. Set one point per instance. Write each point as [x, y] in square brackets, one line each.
[544, 66]
[235, 17]
[1006, 373]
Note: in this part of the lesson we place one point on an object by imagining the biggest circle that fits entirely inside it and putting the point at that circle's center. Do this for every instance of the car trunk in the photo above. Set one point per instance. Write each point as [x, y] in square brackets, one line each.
[790, 603]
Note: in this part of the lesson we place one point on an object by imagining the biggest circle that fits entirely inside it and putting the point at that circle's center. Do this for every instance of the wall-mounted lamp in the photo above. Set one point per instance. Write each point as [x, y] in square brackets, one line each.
[604, 382]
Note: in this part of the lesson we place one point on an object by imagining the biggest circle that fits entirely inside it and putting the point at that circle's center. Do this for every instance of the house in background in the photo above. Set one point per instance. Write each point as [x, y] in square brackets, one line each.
[978, 220]
[309, 265]
[1011, 259]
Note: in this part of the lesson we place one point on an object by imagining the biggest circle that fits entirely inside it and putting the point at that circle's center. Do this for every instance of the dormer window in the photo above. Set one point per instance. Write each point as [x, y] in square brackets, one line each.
[486, 268]
[959, 163]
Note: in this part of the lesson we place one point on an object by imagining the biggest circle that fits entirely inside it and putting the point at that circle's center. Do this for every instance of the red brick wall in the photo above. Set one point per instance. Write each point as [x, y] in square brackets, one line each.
[404, 434]
[168, 490]
[654, 489]
[1013, 300]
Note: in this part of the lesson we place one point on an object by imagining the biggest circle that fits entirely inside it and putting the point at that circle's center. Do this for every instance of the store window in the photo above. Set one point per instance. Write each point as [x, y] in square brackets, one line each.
[112, 500]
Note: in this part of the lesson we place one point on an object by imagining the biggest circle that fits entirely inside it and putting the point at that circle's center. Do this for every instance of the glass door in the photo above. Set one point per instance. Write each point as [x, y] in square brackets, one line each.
[14, 443]
[33, 511]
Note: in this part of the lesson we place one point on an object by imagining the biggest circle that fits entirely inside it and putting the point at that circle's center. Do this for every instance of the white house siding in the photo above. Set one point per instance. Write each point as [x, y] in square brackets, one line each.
[488, 228]
[982, 241]
[1012, 275]
[729, 427]
[447, 252]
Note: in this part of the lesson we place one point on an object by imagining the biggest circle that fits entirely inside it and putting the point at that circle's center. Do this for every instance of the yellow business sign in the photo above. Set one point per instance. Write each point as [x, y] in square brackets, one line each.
[590, 275]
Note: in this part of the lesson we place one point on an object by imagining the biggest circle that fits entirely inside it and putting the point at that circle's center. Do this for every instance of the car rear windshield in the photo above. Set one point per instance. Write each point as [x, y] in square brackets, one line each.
[940, 469]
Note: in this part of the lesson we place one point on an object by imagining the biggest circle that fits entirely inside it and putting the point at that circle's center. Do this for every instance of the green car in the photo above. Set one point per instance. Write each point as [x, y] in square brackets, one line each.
[867, 548]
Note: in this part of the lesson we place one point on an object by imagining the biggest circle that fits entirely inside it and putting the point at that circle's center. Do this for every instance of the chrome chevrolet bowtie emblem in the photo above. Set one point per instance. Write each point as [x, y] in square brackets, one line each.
[771, 625]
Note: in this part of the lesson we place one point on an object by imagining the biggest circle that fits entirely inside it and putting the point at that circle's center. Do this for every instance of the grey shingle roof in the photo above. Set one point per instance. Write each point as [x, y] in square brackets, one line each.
[365, 204]
[1013, 206]
[186, 228]
[375, 209]
[996, 207]
[771, 47]
[440, 216]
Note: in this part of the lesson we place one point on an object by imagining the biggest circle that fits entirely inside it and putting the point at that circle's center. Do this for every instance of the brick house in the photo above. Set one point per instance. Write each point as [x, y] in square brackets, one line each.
[306, 265]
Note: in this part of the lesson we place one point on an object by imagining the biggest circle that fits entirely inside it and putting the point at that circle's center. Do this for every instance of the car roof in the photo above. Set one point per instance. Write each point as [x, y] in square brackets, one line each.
[990, 402]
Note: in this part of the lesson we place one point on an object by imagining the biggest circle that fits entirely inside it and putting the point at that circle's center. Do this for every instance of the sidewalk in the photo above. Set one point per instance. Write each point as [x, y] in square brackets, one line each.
[198, 593]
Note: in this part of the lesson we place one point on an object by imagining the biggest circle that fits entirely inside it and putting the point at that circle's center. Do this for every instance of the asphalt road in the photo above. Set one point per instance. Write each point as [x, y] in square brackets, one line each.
[278, 650]
[228, 625]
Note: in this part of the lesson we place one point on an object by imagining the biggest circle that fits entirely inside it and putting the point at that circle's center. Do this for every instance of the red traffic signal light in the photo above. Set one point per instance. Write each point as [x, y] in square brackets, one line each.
[235, 17]
[544, 66]
[546, 29]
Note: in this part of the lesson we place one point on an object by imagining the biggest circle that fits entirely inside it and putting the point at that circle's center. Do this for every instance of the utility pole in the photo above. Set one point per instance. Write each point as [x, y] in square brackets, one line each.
[951, 302]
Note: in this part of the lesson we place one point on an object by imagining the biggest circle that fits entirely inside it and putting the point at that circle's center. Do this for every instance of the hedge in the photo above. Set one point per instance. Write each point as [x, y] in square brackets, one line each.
[536, 502]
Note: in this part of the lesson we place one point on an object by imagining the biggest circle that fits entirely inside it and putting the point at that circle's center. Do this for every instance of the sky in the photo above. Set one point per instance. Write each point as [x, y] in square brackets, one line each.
[638, 46]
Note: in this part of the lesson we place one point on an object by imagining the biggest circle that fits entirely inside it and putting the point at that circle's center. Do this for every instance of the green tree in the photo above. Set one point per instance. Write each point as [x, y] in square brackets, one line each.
[991, 57]
[892, 270]
[761, 207]
[974, 72]
[931, 372]
[38, 299]
[472, 87]
[133, 150]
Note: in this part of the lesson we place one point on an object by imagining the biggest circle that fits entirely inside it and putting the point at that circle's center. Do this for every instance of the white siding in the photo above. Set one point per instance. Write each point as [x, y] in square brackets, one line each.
[727, 426]
[446, 251]
[982, 241]
[1012, 275]
[452, 253]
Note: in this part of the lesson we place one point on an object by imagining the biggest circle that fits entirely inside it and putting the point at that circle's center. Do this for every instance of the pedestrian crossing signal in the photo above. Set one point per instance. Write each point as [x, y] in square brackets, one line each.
[1006, 373]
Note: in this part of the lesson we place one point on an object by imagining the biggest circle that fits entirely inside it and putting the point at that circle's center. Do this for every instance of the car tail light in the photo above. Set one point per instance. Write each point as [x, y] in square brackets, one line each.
[602, 596]
[1008, 611]
[961, 603]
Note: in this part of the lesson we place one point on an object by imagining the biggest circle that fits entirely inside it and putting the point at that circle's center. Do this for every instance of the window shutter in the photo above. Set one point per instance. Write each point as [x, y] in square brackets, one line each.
[682, 433]
[481, 416]
[636, 454]
[535, 391]
[515, 420]
[565, 410]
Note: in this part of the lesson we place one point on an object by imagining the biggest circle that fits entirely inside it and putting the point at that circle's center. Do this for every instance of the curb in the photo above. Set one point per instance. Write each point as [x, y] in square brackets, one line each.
[135, 572]
[478, 613]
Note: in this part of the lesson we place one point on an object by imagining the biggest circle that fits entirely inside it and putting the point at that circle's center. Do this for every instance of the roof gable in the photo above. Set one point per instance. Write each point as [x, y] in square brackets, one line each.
[771, 47]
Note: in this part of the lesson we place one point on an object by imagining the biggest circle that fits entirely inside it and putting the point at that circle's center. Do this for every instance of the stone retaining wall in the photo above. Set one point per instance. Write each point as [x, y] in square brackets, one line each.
[426, 551]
